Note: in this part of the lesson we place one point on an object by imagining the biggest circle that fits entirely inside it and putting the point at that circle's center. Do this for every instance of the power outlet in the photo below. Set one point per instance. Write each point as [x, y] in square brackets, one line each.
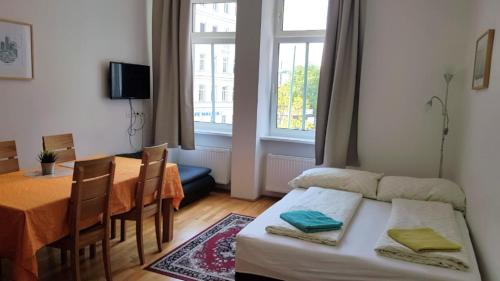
[136, 114]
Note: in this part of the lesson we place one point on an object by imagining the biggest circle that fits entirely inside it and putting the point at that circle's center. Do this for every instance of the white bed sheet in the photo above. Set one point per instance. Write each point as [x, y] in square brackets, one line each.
[261, 253]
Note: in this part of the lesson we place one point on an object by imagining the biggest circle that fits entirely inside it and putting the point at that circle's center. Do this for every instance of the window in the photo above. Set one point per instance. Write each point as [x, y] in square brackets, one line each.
[224, 64]
[214, 52]
[226, 8]
[300, 15]
[201, 93]
[298, 49]
[225, 94]
[201, 62]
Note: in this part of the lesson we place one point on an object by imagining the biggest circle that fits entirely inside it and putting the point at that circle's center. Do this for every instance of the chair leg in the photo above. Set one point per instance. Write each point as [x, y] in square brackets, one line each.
[105, 257]
[64, 256]
[113, 229]
[75, 264]
[92, 251]
[158, 230]
[122, 230]
[138, 235]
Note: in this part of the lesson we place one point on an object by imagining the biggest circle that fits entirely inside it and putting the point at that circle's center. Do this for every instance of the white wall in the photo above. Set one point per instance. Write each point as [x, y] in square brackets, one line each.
[73, 43]
[477, 153]
[408, 46]
[244, 158]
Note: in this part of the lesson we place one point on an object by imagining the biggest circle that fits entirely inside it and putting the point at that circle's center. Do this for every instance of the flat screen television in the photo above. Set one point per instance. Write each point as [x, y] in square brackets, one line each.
[128, 81]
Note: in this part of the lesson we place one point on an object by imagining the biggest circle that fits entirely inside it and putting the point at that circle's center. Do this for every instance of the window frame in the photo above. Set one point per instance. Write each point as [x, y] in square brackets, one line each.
[280, 37]
[211, 38]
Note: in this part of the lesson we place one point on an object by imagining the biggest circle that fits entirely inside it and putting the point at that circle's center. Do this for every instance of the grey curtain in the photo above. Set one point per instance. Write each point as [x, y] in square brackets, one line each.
[172, 78]
[338, 93]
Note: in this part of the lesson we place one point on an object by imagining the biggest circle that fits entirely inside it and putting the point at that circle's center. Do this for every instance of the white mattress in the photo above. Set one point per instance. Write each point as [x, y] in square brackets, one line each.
[260, 253]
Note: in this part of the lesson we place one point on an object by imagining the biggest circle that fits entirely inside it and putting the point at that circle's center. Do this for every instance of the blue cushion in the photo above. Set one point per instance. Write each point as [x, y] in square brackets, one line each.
[192, 173]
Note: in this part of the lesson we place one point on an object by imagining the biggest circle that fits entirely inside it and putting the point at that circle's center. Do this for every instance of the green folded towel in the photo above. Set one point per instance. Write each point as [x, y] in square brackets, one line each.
[423, 240]
[310, 221]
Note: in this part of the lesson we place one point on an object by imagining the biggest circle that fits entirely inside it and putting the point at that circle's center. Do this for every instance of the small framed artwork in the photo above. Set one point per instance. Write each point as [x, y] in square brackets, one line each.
[16, 50]
[482, 62]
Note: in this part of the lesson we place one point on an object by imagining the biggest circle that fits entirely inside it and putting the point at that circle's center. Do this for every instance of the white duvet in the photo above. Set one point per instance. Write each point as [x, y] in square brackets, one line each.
[436, 215]
[339, 205]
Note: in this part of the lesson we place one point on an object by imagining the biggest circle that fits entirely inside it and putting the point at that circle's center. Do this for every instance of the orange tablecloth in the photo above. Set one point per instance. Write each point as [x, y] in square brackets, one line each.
[33, 210]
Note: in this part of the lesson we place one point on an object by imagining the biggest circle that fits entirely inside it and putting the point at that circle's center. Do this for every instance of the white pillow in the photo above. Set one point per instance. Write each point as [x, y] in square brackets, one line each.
[343, 179]
[435, 189]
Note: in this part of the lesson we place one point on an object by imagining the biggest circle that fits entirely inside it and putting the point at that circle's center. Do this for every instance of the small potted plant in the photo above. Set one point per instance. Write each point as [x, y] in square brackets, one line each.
[48, 159]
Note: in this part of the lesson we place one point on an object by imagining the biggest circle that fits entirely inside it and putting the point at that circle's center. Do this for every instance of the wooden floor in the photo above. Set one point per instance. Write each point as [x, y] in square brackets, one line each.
[189, 221]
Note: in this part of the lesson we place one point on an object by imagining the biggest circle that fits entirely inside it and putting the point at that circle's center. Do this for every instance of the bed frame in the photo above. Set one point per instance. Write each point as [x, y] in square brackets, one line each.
[252, 277]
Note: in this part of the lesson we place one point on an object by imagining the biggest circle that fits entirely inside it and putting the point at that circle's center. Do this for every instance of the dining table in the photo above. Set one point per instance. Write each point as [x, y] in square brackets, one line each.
[34, 209]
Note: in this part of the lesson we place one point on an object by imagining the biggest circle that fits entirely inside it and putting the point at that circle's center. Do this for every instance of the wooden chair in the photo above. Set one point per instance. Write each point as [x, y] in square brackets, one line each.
[8, 157]
[62, 145]
[147, 196]
[8, 164]
[90, 193]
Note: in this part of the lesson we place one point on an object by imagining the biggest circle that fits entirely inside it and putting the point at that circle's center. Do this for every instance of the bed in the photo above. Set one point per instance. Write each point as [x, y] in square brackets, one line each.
[263, 256]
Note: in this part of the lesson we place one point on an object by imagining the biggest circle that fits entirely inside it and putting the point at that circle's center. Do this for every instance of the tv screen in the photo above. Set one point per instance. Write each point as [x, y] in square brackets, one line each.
[129, 81]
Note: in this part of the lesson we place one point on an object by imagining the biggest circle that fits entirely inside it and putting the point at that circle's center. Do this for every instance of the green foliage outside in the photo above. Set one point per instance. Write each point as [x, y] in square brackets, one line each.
[297, 98]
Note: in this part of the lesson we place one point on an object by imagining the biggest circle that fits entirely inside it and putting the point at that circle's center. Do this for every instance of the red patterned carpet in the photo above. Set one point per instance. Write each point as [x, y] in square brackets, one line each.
[209, 255]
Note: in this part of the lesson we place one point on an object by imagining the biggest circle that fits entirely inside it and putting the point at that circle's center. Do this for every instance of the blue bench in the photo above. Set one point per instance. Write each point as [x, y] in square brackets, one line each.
[196, 181]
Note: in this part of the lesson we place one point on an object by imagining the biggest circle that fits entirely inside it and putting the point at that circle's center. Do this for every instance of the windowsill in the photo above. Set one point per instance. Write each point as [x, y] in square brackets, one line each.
[286, 139]
[214, 133]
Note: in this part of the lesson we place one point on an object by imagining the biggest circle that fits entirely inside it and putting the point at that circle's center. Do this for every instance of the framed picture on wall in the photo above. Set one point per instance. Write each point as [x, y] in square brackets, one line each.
[482, 62]
[16, 50]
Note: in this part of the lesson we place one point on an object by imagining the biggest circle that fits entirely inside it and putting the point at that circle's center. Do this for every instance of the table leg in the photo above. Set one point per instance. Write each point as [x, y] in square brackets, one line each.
[113, 229]
[168, 220]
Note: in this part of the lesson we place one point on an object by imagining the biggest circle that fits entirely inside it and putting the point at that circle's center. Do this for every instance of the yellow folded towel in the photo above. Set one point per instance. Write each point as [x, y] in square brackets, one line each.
[422, 240]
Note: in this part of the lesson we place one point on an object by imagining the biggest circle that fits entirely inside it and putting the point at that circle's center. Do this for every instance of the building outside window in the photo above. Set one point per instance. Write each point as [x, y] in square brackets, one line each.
[224, 64]
[202, 27]
[201, 93]
[201, 62]
[298, 48]
[225, 94]
[215, 52]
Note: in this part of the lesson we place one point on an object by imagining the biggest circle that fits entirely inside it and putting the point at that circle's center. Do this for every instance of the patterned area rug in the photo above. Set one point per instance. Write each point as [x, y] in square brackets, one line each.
[209, 255]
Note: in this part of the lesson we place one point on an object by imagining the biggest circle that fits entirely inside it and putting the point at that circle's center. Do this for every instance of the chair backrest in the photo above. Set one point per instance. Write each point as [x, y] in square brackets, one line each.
[62, 145]
[150, 183]
[90, 192]
[8, 157]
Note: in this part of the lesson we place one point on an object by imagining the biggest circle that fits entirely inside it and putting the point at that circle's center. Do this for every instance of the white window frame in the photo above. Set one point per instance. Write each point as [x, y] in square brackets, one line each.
[281, 36]
[212, 38]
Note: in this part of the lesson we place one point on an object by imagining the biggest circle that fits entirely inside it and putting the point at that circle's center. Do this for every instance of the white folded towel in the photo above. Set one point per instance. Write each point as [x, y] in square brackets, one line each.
[339, 205]
[415, 214]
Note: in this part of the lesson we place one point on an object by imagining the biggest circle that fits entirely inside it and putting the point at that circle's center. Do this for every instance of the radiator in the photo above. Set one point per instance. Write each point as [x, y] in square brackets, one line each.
[281, 169]
[217, 159]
